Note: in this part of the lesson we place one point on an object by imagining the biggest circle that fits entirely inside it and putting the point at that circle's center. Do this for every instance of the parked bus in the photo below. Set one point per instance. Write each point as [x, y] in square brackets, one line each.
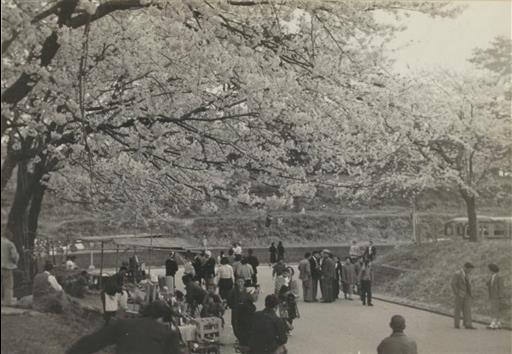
[490, 227]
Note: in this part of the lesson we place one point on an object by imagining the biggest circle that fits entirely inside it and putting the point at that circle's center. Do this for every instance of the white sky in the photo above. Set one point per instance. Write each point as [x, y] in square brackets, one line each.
[430, 43]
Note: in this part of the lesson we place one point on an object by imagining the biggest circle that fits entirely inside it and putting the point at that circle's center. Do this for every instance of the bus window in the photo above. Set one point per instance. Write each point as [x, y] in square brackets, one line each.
[448, 230]
[499, 229]
[460, 230]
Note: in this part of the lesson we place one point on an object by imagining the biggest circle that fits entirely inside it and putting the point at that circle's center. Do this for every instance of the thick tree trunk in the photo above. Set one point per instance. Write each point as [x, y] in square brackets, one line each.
[8, 167]
[24, 214]
[472, 219]
[17, 220]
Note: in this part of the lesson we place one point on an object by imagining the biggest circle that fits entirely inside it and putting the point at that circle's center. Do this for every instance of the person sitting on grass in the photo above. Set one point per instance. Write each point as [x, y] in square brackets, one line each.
[150, 334]
[48, 294]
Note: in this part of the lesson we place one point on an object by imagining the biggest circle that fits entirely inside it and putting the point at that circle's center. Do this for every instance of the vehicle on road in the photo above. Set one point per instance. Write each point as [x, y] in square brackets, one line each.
[490, 227]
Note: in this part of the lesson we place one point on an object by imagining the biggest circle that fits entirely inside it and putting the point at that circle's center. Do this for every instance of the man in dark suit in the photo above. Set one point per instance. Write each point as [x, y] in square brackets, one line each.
[328, 276]
[254, 262]
[370, 252]
[268, 332]
[315, 273]
[461, 288]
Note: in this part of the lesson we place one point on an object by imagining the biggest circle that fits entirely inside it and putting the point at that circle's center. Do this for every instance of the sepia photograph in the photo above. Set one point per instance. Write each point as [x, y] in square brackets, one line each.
[256, 177]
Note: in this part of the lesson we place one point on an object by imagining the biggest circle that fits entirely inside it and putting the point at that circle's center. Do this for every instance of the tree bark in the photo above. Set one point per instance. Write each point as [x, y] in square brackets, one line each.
[24, 214]
[472, 218]
[8, 167]
[17, 220]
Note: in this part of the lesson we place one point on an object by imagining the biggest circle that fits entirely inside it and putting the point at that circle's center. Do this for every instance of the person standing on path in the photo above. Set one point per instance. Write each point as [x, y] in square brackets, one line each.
[306, 278]
[328, 276]
[10, 258]
[254, 262]
[315, 273]
[365, 279]
[461, 288]
[496, 289]
[397, 342]
[273, 253]
[226, 278]
[171, 267]
[337, 277]
[348, 278]
[280, 251]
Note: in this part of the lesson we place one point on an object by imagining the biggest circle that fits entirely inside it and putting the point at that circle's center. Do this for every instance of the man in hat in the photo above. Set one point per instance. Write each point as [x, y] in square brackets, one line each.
[397, 342]
[461, 288]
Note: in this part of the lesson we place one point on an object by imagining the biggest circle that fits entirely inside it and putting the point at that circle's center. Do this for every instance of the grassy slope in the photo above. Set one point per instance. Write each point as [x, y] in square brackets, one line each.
[45, 333]
[433, 264]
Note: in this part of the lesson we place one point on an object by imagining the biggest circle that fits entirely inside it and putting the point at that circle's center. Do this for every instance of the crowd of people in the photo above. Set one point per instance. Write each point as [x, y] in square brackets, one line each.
[321, 270]
[230, 281]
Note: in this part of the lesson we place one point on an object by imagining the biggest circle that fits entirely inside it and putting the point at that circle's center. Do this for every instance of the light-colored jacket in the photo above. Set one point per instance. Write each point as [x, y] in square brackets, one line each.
[10, 255]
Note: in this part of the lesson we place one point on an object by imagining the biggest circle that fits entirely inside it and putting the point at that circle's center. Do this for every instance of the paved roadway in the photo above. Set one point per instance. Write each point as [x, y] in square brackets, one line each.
[347, 327]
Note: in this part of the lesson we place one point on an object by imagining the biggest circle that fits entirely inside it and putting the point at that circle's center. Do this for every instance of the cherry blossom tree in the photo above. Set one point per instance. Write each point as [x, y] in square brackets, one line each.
[155, 103]
[441, 131]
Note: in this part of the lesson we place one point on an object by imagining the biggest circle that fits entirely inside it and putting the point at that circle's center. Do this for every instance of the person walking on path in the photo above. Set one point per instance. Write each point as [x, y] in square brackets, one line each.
[306, 278]
[461, 287]
[348, 278]
[273, 253]
[397, 342]
[246, 272]
[496, 289]
[365, 279]
[280, 251]
[328, 276]
[226, 278]
[316, 273]
[171, 267]
[10, 258]
[268, 332]
[254, 262]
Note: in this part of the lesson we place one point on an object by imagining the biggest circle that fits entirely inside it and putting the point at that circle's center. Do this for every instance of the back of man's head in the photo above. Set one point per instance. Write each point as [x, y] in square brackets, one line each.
[271, 301]
[397, 323]
[48, 266]
[158, 309]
